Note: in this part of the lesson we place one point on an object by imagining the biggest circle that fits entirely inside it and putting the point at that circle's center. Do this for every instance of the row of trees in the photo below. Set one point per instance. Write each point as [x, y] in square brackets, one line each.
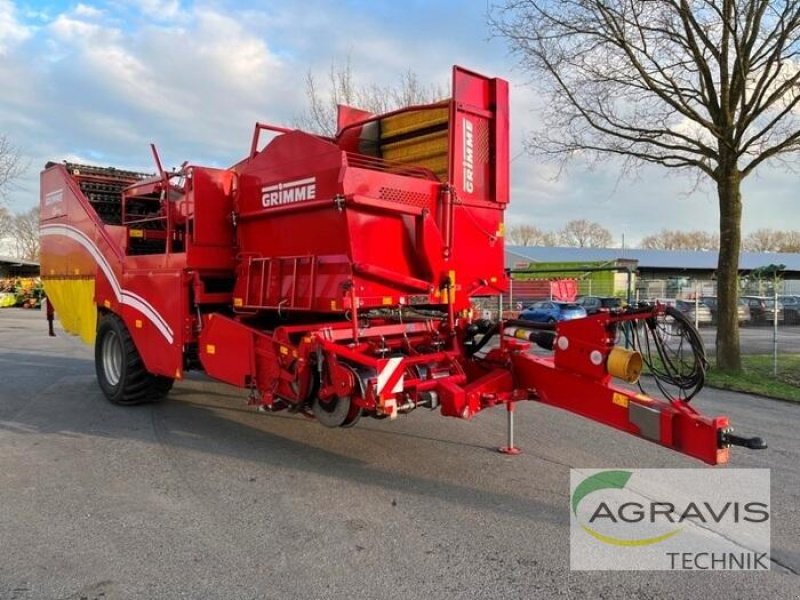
[761, 240]
[770, 240]
[578, 233]
[12, 164]
[21, 231]
[671, 239]
[341, 87]
[586, 234]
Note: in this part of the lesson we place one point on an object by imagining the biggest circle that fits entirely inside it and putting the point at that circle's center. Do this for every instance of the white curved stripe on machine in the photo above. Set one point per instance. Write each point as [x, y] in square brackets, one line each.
[123, 296]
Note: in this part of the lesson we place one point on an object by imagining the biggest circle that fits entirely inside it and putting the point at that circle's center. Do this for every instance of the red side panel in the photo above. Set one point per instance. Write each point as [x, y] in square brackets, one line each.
[325, 223]
[227, 350]
[212, 197]
[479, 175]
[479, 137]
[147, 292]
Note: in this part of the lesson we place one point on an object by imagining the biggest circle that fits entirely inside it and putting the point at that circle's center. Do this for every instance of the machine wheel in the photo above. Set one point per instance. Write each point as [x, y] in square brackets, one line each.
[334, 413]
[353, 416]
[120, 370]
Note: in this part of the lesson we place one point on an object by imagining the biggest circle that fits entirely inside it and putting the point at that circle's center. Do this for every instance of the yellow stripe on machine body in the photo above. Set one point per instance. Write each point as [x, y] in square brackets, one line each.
[73, 301]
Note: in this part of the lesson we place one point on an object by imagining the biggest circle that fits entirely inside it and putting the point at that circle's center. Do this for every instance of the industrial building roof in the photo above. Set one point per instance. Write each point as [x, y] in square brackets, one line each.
[18, 262]
[649, 259]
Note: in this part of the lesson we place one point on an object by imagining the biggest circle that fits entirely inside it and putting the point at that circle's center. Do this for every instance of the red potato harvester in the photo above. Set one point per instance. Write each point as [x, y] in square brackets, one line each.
[334, 277]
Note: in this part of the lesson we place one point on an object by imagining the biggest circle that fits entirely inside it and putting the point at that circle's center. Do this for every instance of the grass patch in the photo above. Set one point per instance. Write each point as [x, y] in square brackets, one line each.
[757, 377]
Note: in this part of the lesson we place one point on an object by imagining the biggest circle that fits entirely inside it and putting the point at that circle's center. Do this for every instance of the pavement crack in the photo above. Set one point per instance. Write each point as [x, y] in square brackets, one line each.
[783, 565]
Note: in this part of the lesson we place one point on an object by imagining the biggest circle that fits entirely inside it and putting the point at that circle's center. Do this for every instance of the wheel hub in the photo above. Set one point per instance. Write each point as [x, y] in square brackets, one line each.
[112, 358]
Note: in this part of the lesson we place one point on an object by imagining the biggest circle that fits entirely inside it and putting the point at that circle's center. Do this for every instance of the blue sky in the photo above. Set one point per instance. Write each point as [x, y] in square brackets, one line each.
[98, 81]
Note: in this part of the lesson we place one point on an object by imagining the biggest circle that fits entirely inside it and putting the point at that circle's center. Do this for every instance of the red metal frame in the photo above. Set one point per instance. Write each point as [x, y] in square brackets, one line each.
[298, 273]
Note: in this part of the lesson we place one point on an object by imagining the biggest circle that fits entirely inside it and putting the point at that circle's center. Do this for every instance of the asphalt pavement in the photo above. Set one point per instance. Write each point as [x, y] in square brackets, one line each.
[201, 497]
[759, 339]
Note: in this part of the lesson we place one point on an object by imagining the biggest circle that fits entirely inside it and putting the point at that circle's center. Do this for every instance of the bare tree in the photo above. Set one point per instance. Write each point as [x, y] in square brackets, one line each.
[670, 239]
[11, 164]
[342, 88]
[5, 222]
[771, 240]
[791, 242]
[705, 85]
[25, 233]
[5, 231]
[763, 240]
[585, 234]
[529, 235]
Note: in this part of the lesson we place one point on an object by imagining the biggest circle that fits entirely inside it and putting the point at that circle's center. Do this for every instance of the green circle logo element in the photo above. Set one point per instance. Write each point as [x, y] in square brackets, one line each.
[611, 480]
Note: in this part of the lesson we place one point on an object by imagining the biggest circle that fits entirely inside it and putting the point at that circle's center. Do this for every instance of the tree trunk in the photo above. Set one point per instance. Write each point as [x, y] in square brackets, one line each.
[730, 239]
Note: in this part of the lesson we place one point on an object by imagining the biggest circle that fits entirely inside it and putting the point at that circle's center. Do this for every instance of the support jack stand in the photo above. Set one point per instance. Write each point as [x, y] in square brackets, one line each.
[511, 449]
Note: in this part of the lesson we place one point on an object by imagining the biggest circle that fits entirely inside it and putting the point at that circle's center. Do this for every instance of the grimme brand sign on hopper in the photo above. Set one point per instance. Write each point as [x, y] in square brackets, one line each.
[670, 519]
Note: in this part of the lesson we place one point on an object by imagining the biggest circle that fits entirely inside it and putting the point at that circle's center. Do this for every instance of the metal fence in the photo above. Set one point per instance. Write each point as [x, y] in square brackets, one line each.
[763, 330]
[768, 312]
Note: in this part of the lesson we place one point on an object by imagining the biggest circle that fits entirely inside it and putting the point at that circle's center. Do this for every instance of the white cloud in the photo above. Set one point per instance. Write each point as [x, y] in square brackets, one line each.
[158, 9]
[12, 31]
[68, 29]
[84, 10]
[190, 83]
[99, 81]
[217, 49]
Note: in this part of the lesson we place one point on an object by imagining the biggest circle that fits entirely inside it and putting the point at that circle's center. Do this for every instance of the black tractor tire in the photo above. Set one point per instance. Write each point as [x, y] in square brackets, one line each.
[120, 370]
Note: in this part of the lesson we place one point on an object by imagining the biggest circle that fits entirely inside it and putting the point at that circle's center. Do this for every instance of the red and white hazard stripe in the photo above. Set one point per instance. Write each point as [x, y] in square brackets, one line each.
[390, 376]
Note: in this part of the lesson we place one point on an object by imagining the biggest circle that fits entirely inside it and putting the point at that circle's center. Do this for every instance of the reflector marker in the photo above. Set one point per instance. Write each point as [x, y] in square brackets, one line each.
[388, 370]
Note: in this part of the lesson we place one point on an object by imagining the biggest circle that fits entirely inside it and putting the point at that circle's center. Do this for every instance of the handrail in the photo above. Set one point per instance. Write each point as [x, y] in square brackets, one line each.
[257, 134]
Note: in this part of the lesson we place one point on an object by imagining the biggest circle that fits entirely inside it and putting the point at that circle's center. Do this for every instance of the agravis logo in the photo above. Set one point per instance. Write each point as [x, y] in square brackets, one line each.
[670, 519]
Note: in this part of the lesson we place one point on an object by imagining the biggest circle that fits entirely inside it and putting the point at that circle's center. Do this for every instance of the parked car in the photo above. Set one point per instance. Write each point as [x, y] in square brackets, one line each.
[762, 309]
[596, 304]
[791, 309]
[550, 311]
[742, 309]
[687, 307]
